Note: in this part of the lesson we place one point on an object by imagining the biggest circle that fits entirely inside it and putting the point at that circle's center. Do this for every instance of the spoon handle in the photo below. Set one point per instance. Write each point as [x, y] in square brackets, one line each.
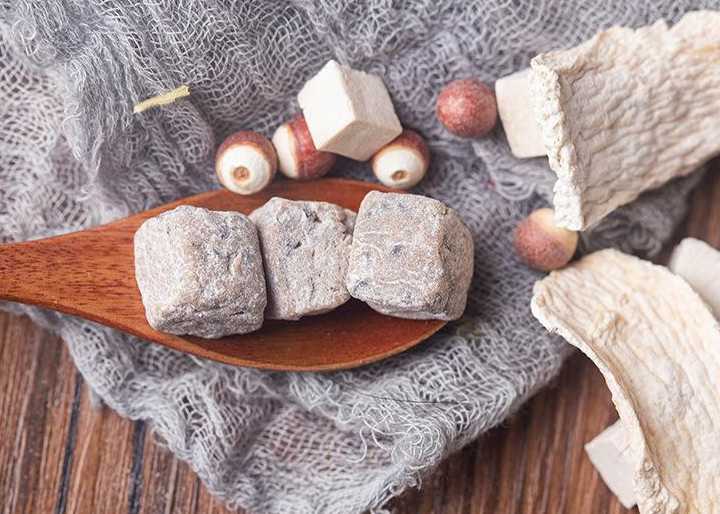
[75, 273]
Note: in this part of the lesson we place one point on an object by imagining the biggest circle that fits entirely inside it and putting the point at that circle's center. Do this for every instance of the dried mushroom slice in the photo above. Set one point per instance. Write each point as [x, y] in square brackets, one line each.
[627, 111]
[699, 264]
[658, 346]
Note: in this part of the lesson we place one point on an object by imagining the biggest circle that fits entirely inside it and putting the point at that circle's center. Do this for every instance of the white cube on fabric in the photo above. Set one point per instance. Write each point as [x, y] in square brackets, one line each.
[348, 112]
[517, 115]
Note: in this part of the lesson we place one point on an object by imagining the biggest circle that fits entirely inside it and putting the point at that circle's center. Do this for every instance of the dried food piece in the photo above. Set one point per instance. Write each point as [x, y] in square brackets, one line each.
[627, 111]
[658, 347]
[699, 264]
[518, 116]
[467, 108]
[200, 272]
[608, 453]
[305, 247]
[297, 156]
[246, 162]
[403, 162]
[541, 244]
[411, 257]
[348, 112]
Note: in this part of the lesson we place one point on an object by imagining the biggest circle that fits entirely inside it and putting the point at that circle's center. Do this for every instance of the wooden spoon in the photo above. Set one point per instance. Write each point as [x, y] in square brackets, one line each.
[91, 274]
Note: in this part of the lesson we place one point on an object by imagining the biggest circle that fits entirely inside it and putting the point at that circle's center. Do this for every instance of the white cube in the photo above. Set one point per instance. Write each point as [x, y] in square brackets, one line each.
[517, 115]
[348, 112]
[699, 264]
[609, 453]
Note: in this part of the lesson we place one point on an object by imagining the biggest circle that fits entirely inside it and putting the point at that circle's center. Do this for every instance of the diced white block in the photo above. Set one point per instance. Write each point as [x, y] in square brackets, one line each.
[608, 453]
[699, 264]
[348, 112]
[517, 115]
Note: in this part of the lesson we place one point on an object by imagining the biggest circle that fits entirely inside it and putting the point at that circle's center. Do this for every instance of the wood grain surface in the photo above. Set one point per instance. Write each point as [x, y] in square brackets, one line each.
[59, 455]
[91, 274]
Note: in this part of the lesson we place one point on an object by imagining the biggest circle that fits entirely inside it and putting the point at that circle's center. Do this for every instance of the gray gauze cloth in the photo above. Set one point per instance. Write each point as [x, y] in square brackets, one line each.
[72, 155]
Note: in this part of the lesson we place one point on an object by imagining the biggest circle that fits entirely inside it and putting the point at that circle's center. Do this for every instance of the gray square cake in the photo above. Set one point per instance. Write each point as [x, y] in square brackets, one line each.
[305, 248]
[200, 272]
[411, 257]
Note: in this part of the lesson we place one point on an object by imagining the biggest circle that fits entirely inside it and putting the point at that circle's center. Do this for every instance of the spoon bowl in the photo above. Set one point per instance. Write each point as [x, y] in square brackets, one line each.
[91, 274]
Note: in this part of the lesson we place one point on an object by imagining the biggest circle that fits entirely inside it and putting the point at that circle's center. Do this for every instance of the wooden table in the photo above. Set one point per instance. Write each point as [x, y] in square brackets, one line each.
[59, 455]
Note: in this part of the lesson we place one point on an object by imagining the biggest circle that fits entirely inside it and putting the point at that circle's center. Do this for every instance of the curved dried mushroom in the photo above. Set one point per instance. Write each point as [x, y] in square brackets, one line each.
[627, 111]
[658, 347]
[699, 264]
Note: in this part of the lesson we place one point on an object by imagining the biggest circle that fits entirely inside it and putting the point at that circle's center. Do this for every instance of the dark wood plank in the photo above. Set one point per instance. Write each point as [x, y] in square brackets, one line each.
[37, 384]
[704, 217]
[101, 469]
[136, 483]
[169, 486]
[58, 454]
[71, 441]
[207, 504]
[159, 479]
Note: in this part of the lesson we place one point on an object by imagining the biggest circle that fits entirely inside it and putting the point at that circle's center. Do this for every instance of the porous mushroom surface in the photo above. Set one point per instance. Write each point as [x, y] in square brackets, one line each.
[627, 111]
[658, 347]
[305, 247]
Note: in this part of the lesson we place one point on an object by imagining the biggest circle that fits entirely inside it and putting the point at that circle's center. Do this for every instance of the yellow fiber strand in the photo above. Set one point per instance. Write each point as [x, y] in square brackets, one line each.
[164, 99]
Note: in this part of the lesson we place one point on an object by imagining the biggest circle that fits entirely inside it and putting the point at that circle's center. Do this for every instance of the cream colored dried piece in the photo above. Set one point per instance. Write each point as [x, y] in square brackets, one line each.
[517, 115]
[658, 346]
[699, 264]
[164, 99]
[608, 453]
[627, 111]
[348, 112]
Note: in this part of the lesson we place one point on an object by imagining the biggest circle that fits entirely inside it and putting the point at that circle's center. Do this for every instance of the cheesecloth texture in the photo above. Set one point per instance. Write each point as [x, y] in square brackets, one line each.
[72, 155]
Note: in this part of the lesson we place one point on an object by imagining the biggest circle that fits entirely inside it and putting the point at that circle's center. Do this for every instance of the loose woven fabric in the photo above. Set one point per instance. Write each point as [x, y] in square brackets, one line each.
[72, 155]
